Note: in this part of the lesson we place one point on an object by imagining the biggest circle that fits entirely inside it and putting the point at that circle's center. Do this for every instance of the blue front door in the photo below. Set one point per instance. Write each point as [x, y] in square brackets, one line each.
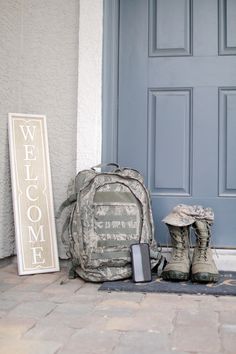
[177, 105]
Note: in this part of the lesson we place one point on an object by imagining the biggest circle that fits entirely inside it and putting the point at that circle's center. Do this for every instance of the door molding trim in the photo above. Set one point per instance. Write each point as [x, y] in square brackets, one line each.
[110, 80]
[89, 84]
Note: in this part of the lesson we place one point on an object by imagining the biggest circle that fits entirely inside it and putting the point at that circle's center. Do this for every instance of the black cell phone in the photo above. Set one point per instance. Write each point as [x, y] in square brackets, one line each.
[141, 264]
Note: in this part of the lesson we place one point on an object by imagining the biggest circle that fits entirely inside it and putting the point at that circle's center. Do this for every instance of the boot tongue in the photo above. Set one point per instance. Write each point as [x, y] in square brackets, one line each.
[203, 242]
[178, 243]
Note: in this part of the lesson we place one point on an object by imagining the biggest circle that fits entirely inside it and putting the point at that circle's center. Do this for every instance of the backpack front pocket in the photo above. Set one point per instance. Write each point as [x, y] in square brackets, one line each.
[117, 224]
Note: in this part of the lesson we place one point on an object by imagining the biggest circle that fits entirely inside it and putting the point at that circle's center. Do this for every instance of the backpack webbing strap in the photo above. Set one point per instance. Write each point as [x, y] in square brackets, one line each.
[160, 264]
[110, 255]
[111, 164]
[113, 243]
[72, 265]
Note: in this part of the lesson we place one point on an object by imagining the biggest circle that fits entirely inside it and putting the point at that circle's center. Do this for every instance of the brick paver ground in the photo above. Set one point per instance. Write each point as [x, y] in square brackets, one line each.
[50, 314]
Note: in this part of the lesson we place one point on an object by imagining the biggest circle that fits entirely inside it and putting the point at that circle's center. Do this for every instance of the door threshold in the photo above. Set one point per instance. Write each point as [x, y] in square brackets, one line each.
[225, 259]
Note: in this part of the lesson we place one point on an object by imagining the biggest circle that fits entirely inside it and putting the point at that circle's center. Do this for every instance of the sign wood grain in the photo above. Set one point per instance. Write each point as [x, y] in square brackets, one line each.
[35, 231]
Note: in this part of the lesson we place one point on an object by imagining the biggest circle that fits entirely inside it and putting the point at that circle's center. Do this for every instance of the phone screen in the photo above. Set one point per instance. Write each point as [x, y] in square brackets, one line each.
[141, 262]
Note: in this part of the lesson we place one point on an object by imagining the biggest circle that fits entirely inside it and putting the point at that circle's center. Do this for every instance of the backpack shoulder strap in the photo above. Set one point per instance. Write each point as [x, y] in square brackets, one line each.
[72, 199]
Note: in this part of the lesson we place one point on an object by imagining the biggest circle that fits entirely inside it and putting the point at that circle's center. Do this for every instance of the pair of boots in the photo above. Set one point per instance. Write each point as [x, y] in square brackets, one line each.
[202, 268]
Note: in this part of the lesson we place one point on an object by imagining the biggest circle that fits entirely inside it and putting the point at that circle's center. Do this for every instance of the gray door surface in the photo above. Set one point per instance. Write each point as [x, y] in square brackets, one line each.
[177, 105]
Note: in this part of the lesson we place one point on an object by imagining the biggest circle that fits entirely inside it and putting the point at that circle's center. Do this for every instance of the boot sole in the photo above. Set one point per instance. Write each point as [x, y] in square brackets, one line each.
[205, 278]
[174, 275]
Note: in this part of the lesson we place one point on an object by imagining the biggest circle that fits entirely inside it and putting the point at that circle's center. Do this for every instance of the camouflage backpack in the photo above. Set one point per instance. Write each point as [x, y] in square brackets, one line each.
[109, 212]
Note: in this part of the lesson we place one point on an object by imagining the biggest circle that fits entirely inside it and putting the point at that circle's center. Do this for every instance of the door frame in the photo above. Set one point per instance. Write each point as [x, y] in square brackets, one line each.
[89, 84]
[225, 258]
[110, 80]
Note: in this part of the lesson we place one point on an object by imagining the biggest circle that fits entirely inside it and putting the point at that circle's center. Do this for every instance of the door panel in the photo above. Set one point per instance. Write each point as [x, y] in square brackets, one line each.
[163, 41]
[170, 173]
[177, 105]
[227, 142]
[227, 27]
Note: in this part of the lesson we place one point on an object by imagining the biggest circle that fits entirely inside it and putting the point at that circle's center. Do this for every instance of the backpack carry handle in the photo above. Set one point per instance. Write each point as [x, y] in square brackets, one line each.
[111, 164]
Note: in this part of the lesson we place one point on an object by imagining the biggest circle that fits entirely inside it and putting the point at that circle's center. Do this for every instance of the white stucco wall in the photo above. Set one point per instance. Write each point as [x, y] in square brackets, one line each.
[38, 74]
[89, 84]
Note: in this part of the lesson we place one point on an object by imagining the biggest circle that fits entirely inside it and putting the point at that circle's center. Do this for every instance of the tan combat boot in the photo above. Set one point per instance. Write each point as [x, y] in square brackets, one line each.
[203, 266]
[178, 268]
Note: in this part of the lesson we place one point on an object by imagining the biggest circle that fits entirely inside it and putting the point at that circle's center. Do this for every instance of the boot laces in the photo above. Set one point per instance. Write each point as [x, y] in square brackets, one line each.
[179, 246]
[203, 240]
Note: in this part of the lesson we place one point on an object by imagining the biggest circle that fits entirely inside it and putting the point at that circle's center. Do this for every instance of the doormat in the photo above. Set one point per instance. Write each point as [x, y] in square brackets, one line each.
[226, 285]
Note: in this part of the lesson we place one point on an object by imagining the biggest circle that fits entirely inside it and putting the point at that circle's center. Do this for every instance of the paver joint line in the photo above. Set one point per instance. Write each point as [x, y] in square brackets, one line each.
[63, 315]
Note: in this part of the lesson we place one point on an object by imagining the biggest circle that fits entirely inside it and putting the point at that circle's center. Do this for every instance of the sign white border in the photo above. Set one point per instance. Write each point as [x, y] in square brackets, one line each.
[16, 194]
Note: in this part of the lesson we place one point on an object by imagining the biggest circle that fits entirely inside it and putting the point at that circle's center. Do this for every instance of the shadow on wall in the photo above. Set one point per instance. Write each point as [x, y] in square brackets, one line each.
[7, 232]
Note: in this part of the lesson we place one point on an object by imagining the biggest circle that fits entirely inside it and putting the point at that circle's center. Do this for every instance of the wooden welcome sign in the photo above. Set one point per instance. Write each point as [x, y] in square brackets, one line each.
[32, 195]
